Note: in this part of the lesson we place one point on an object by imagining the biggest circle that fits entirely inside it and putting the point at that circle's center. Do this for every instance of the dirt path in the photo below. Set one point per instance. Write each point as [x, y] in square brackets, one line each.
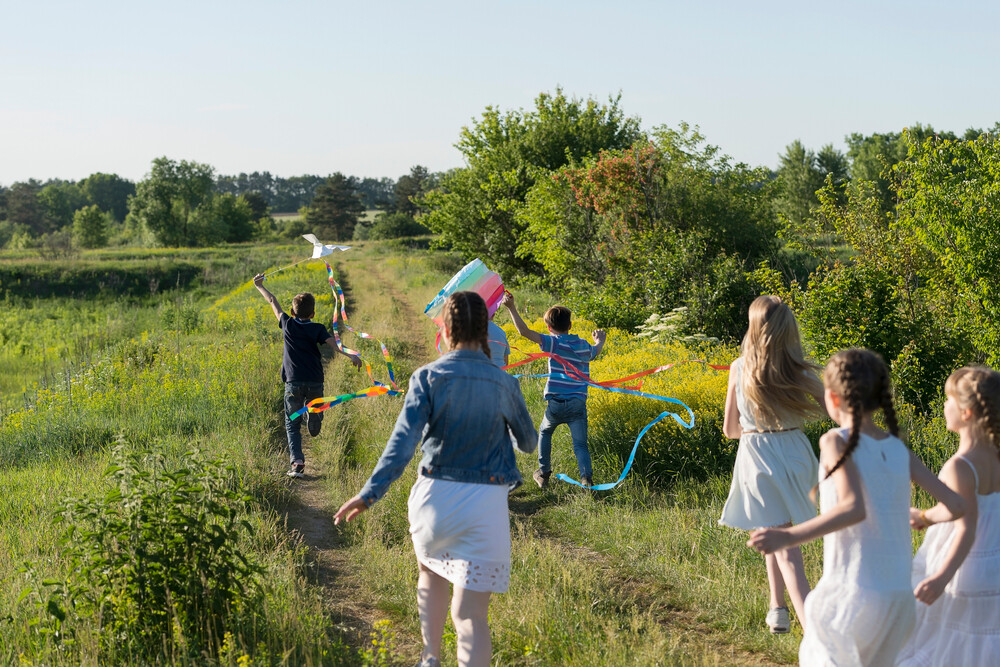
[310, 514]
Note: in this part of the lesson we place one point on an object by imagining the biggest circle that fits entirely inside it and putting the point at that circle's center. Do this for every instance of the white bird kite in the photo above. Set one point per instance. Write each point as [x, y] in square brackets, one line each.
[320, 249]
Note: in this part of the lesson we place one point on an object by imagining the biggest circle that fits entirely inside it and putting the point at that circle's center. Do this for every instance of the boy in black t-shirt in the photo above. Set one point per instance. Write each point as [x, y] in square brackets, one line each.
[301, 367]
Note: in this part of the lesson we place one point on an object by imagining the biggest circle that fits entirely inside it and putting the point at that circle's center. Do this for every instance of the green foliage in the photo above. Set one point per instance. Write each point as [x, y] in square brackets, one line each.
[60, 201]
[950, 192]
[394, 226]
[166, 203]
[109, 192]
[659, 225]
[335, 209]
[409, 190]
[158, 560]
[90, 228]
[476, 208]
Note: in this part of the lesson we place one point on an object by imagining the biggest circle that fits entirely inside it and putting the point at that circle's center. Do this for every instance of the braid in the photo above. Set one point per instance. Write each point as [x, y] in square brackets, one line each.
[986, 388]
[888, 409]
[861, 379]
[465, 317]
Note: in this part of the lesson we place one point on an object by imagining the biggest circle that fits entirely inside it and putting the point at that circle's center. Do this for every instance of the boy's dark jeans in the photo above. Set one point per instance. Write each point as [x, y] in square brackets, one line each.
[298, 394]
[572, 412]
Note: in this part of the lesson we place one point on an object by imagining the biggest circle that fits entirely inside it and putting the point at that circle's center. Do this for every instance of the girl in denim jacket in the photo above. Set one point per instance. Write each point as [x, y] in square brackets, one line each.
[465, 413]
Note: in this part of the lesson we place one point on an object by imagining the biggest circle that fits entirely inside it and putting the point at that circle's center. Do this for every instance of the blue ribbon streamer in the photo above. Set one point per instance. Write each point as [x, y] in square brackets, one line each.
[688, 424]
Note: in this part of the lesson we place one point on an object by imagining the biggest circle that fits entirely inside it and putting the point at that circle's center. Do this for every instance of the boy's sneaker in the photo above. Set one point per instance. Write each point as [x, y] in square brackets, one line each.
[541, 478]
[587, 480]
[777, 620]
[314, 421]
[429, 662]
[298, 469]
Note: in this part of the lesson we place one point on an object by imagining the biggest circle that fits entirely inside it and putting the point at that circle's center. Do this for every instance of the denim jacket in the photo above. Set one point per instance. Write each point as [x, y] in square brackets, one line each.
[459, 408]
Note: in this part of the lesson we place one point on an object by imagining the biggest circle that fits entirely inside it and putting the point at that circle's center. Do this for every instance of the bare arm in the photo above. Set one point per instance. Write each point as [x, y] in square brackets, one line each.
[355, 359]
[599, 337]
[961, 479]
[849, 510]
[951, 506]
[258, 282]
[731, 418]
[515, 317]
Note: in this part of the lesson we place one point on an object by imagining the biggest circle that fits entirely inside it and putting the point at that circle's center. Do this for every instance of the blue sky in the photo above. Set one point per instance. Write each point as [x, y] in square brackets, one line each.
[372, 88]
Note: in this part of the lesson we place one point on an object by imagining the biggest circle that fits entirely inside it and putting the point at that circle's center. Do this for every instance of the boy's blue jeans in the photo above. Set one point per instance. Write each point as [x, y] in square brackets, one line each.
[298, 394]
[573, 413]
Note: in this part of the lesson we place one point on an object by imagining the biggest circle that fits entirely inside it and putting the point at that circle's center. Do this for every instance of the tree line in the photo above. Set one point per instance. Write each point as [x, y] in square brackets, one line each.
[185, 203]
[891, 245]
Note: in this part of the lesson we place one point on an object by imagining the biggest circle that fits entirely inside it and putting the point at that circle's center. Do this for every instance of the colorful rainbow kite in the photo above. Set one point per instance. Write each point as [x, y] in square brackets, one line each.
[474, 277]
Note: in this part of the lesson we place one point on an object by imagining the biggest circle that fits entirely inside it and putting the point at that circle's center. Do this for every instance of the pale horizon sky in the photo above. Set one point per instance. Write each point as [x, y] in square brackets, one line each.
[371, 89]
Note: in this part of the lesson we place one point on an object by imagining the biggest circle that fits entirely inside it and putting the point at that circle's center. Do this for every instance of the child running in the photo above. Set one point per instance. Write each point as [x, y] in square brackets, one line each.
[957, 569]
[301, 367]
[862, 610]
[772, 390]
[459, 408]
[565, 395]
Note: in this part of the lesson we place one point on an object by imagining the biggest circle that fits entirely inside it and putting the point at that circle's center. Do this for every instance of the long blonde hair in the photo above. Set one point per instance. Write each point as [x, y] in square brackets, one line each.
[777, 380]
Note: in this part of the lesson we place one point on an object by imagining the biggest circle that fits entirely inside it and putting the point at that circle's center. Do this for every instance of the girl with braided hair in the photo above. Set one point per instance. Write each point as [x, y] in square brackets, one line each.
[772, 391]
[955, 570]
[465, 412]
[862, 610]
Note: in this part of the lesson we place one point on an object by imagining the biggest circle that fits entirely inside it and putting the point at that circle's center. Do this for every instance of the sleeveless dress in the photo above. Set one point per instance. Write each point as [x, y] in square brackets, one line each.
[862, 610]
[773, 473]
[962, 627]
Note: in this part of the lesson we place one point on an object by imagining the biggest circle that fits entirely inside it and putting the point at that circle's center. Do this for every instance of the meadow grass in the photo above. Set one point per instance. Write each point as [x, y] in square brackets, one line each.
[640, 575]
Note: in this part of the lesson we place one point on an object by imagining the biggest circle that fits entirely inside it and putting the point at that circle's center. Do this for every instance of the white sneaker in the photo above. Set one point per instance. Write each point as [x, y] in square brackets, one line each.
[777, 620]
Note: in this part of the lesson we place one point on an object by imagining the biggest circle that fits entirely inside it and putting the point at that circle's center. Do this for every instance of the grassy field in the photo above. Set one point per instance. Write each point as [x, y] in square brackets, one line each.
[639, 575]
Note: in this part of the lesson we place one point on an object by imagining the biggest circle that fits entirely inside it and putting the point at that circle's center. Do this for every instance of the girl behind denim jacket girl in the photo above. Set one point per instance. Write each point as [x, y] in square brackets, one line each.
[458, 514]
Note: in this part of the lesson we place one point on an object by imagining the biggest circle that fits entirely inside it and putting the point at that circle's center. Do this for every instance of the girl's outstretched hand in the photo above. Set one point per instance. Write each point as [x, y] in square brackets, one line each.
[930, 589]
[350, 509]
[917, 522]
[769, 540]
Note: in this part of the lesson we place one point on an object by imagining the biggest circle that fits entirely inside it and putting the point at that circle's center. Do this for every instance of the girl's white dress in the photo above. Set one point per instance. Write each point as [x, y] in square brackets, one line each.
[461, 532]
[773, 474]
[962, 627]
[862, 610]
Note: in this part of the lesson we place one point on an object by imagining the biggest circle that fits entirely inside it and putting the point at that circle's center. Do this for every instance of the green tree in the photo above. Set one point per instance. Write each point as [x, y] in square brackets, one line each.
[410, 188]
[23, 207]
[799, 179]
[60, 200]
[475, 209]
[335, 209]
[165, 201]
[109, 192]
[89, 227]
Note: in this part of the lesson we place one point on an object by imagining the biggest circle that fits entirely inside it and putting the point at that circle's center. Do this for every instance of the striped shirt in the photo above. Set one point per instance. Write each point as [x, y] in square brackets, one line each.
[577, 352]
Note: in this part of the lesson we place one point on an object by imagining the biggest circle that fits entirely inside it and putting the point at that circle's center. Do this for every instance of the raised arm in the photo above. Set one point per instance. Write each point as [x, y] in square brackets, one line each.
[515, 317]
[599, 337]
[849, 510]
[961, 479]
[258, 282]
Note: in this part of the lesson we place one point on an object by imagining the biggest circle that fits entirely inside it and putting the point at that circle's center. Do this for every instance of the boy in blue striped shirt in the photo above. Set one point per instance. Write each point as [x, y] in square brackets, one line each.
[566, 396]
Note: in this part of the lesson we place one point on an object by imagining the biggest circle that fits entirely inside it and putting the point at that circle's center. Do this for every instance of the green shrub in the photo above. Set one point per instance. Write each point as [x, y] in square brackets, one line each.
[156, 563]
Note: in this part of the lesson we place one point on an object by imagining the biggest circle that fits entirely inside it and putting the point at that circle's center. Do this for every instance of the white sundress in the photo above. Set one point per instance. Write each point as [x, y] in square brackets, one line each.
[773, 473]
[962, 627]
[461, 532]
[862, 610]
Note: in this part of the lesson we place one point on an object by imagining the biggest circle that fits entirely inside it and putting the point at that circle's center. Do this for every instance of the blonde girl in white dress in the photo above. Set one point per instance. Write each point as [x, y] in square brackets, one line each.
[862, 610]
[956, 573]
[772, 390]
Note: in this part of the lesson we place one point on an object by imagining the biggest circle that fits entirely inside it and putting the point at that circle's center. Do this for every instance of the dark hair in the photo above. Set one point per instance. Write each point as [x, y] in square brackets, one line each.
[466, 318]
[559, 318]
[304, 305]
[861, 379]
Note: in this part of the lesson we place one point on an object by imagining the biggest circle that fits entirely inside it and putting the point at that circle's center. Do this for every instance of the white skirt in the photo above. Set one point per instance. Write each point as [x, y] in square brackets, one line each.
[771, 481]
[461, 532]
